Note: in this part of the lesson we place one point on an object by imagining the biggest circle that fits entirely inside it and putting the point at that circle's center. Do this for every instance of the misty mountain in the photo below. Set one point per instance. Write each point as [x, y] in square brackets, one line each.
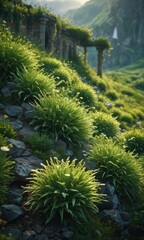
[120, 20]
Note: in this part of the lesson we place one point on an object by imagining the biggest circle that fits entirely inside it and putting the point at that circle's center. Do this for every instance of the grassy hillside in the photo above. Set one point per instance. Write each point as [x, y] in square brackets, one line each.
[100, 120]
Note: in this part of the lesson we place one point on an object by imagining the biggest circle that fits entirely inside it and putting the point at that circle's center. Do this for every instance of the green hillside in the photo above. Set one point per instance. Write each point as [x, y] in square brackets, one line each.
[87, 131]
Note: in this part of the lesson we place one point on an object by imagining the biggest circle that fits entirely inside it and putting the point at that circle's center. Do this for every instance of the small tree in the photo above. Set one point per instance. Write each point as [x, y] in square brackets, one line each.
[83, 36]
[101, 45]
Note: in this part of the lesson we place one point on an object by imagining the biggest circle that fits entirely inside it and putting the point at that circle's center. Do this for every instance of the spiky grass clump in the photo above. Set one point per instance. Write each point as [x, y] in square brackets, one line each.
[62, 118]
[134, 141]
[65, 188]
[6, 130]
[62, 77]
[118, 167]
[139, 84]
[5, 169]
[14, 55]
[112, 95]
[40, 142]
[105, 124]
[30, 84]
[85, 94]
[50, 64]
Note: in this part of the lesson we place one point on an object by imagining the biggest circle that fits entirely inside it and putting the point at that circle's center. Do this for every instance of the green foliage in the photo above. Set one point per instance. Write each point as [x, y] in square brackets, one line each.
[62, 118]
[112, 95]
[81, 34]
[5, 169]
[127, 118]
[14, 55]
[118, 167]
[65, 188]
[5, 237]
[85, 94]
[40, 142]
[50, 64]
[102, 43]
[139, 84]
[32, 83]
[134, 141]
[105, 124]
[95, 229]
[6, 130]
[88, 74]
[62, 77]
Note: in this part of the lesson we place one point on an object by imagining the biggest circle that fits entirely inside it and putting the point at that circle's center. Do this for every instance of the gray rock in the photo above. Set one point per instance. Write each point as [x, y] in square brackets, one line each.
[2, 106]
[15, 195]
[11, 212]
[24, 165]
[113, 216]
[116, 202]
[11, 85]
[17, 125]
[38, 228]
[14, 111]
[28, 115]
[18, 147]
[6, 92]
[110, 189]
[25, 132]
[41, 237]
[67, 234]
[27, 106]
[59, 145]
[125, 216]
[90, 165]
[28, 235]
[108, 105]
[26, 153]
[69, 153]
[14, 232]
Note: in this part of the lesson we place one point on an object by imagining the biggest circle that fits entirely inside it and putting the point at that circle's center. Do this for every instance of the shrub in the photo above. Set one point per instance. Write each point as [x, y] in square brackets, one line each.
[105, 124]
[14, 55]
[134, 141]
[6, 129]
[5, 169]
[123, 117]
[139, 84]
[30, 84]
[62, 118]
[50, 64]
[126, 118]
[118, 167]
[112, 95]
[85, 94]
[62, 77]
[5, 237]
[65, 188]
[119, 104]
[128, 92]
[40, 142]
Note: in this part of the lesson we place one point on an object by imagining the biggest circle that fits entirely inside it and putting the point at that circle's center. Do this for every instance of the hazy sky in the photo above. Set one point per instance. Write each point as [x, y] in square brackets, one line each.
[59, 6]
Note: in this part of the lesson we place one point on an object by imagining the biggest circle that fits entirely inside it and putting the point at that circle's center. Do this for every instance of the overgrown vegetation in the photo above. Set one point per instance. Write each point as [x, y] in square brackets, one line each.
[60, 117]
[71, 103]
[65, 188]
[118, 167]
[5, 169]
